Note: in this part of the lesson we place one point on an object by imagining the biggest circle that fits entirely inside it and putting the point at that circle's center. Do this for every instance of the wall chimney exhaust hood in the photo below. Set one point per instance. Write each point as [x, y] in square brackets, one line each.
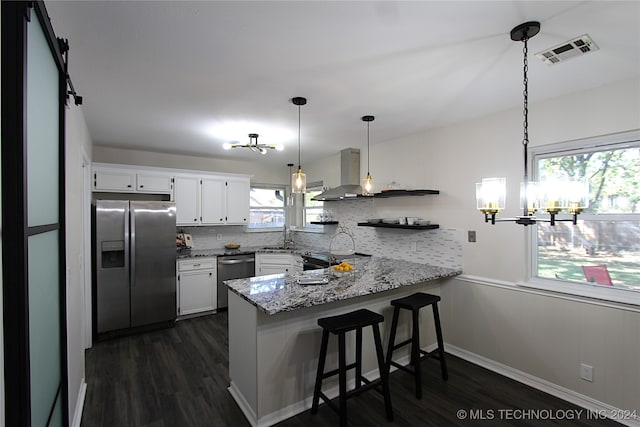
[349, 177]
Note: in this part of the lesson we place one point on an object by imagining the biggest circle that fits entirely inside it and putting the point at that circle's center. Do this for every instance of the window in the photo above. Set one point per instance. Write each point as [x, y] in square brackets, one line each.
[608, 231]
[266, 206]
[312, 209]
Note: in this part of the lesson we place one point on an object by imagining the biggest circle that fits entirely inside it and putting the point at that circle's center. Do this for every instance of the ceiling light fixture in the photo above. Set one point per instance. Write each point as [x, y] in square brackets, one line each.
[367, 183]
[551, 197]
[299, 179]
[254, 146]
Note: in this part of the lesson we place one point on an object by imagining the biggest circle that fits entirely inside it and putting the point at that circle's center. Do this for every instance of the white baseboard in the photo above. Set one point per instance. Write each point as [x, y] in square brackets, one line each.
[293, 409]
[77, 415]
[542, 385]
[243, 404]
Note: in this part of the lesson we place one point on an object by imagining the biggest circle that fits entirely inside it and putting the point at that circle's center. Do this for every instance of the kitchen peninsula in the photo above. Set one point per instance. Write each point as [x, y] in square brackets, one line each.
[274, 339]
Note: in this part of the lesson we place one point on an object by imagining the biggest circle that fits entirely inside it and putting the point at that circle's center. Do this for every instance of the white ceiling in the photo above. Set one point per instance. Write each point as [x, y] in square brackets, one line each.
[162, 76]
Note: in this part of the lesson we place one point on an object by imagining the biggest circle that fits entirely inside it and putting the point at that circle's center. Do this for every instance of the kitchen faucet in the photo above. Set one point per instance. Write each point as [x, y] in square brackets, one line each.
[287, 239]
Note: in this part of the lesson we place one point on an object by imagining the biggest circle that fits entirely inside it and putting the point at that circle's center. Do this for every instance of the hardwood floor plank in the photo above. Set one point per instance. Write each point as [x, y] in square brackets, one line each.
[179, 377]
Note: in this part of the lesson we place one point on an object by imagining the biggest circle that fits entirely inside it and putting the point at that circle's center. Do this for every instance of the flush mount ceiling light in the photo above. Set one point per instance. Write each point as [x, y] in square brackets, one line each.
[253, 145]
[554, 197]
[299, 179]
[367, 183]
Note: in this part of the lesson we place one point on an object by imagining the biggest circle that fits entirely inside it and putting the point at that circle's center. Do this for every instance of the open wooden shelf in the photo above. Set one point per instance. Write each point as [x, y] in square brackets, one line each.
[324, 222]
[404, 193]
[403, 226]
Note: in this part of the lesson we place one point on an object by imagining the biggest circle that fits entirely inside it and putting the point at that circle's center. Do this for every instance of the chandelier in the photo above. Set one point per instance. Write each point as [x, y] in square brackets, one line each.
[552, 197]
[254, 146]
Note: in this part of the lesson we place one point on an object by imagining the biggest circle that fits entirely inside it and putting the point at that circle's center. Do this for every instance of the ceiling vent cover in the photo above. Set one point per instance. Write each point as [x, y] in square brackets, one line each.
[562, 52]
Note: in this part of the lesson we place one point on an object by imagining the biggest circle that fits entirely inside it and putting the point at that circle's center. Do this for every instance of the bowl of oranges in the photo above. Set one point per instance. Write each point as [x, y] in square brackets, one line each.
[343, 268]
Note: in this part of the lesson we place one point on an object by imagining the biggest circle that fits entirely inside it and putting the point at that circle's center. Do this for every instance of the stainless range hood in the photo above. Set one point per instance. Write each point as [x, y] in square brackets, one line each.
[349, 177]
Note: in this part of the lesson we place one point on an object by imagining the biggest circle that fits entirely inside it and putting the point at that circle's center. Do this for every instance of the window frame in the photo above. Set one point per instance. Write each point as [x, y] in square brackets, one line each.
[619, 140]
[260, 186]
[313, 186]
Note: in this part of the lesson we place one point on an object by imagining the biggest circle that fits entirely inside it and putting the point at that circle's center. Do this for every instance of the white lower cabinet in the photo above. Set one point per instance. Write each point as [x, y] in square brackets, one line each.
[197, 289]
[277, 263]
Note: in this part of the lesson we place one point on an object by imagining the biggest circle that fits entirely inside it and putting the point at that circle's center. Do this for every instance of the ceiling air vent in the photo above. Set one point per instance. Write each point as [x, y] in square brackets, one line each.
[562, 52]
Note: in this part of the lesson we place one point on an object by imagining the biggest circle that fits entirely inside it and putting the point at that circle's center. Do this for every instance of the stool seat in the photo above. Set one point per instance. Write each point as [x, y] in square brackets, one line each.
[415, 301]
[340, 325]
[350, 321]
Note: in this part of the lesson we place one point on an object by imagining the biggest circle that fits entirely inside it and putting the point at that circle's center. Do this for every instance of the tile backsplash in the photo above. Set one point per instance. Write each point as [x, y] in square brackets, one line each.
[443, 247]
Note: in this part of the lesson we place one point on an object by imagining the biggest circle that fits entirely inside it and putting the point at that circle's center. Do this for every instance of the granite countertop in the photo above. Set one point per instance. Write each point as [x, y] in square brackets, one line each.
[192, 253]
[281, 292]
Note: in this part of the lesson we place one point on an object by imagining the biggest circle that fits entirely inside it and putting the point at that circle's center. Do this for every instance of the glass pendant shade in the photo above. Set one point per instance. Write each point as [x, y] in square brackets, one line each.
[529, 196]
[578, 196]
[367, 186]
[490, 195]
[298, 182]
[553, 196]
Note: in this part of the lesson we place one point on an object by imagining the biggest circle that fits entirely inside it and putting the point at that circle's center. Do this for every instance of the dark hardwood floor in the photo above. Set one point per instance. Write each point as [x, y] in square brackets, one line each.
[179, 377]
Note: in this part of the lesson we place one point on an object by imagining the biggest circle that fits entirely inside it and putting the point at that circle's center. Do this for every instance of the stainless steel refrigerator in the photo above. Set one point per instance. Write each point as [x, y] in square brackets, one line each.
[134, 264]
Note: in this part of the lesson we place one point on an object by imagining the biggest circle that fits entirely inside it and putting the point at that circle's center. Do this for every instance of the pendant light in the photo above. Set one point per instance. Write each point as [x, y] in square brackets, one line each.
[299, 179]
[490, 193]
[367, 183]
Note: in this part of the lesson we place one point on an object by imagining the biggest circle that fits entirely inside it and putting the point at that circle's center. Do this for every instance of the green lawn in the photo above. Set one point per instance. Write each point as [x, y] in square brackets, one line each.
[624, 269]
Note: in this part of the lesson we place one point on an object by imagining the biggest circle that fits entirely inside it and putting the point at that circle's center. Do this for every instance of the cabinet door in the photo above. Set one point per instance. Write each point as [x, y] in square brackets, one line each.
[114, 180]
[213, 204]
[197, 292]
[154, 183]
[186, 196]
[238, 200]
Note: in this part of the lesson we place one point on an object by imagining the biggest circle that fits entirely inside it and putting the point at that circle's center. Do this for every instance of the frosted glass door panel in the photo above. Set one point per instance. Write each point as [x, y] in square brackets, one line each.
[44, 323]
[43, 100]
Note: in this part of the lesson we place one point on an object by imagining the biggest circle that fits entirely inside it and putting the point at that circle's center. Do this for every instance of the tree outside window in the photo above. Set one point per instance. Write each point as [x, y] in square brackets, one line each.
[608, 231]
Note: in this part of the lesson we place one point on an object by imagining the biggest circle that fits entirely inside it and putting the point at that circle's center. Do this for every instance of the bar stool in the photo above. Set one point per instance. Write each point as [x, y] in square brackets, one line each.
[414, 303]
[340, 325]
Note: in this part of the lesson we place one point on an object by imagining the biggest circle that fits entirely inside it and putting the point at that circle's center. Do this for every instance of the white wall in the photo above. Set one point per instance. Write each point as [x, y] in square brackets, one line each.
[262, 172]
[78, 141]
[541, 334]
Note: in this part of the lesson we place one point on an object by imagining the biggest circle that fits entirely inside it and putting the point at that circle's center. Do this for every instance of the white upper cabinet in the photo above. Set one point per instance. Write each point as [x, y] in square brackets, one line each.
[131, 180]
[187, 198]
[154, 183]
[201, 198]
[213, 203]
[238, 190]
[212, 200]
[114, 180]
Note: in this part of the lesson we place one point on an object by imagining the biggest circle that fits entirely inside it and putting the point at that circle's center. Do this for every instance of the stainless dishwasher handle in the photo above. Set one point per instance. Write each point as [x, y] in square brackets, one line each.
[236, 261]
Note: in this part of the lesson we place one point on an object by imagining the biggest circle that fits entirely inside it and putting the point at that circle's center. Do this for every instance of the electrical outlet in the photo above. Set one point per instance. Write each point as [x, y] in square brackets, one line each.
[218, 236]
[414, 246]
[472, 236]
[586, 372]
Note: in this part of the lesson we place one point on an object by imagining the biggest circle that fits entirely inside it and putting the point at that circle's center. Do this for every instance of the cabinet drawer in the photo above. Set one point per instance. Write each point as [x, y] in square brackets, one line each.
[280, 259]
[201, 264]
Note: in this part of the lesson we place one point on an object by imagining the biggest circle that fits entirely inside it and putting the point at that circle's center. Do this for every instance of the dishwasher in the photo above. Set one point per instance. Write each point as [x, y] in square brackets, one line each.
[233, 267]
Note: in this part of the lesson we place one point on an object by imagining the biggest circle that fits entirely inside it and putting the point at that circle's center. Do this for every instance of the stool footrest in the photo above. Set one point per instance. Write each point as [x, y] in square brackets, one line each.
[402, 344]
[354, 392]
[337, 370]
